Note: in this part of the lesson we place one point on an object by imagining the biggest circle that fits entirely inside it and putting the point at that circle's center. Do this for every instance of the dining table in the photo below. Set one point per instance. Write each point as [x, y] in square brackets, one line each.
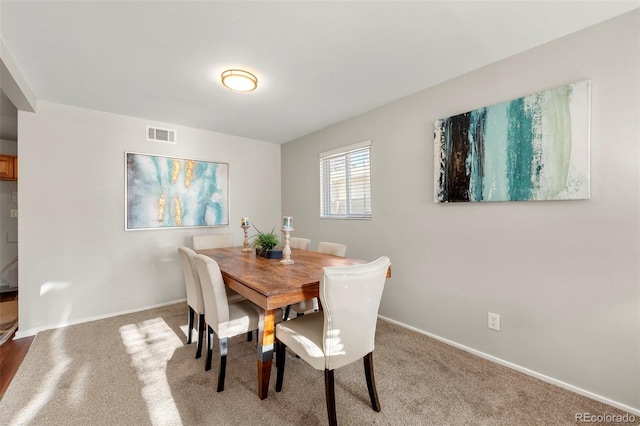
[271, 285]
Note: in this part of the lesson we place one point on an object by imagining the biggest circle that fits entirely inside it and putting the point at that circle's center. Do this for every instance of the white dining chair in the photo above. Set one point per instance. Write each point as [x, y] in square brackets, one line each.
[224, 319]
[299, 243]
[343, 332]
[311, 305]
[335, 249]
[195, 301]
[210, 241]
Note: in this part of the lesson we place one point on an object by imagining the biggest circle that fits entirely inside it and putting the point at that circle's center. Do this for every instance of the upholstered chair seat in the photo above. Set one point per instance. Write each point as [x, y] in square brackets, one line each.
[343, 332]
[311, 305]
[223, 319]
[335, 249]
[195, 302]
[211, 241]
[299, 243]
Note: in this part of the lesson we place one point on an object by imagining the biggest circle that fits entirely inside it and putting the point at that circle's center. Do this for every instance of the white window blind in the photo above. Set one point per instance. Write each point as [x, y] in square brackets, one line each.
[345, 184]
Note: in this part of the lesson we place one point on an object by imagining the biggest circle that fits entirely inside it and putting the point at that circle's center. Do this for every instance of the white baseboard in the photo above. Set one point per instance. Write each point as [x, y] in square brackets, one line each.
[544, 378]
[34, 331]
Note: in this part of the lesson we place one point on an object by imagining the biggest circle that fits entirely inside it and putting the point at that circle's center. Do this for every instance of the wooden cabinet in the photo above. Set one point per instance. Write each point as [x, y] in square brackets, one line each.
[8, 167]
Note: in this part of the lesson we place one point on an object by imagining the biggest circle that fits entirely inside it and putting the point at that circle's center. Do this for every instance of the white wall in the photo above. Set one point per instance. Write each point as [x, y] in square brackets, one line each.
[76, 260]
[564, 275]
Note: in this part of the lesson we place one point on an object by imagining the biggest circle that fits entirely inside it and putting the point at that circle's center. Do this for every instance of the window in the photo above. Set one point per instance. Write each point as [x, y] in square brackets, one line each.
[345, 185]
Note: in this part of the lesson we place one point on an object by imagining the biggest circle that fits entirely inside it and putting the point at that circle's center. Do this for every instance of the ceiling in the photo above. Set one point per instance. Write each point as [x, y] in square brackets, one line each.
[317, 63]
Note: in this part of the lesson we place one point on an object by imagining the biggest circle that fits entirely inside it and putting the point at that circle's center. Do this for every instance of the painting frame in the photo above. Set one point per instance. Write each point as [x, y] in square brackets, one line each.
[532, 148]
[167, 192]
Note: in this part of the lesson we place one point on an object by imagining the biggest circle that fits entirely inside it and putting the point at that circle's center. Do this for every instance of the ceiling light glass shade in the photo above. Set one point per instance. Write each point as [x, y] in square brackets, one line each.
[239, 80]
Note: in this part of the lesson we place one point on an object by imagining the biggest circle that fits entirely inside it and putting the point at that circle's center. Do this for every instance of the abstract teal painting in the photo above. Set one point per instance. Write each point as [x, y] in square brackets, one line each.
[167, 192]
[530, 148]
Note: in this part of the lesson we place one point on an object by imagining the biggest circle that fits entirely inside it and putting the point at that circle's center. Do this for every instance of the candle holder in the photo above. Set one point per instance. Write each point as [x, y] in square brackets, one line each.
[246, 248]
[286, 251]
[287, 222]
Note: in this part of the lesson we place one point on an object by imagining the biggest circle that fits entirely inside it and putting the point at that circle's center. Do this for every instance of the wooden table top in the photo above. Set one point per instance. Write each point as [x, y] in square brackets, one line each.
[273, 284]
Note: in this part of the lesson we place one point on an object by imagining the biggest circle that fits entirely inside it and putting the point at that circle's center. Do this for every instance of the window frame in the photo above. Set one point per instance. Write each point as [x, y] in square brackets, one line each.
[325, 186]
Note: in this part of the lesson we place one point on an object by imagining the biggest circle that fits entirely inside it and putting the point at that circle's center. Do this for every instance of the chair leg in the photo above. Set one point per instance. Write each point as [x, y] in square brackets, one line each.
[330, 395]
[207, 365]
[301, 314]
[223, 363]
[287, 311]
[249, 336]
[371, 381]
[200, 335]
[280, 359]
[190, 324]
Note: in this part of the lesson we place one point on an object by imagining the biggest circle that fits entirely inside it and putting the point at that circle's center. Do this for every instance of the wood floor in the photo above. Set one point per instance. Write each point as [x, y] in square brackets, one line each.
[12, 352]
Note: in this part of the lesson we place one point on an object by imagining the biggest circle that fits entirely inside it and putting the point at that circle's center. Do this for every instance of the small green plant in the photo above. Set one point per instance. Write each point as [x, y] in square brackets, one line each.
[265, 241]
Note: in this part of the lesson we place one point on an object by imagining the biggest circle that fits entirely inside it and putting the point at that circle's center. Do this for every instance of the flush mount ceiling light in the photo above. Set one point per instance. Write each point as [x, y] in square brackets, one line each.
[239, 80]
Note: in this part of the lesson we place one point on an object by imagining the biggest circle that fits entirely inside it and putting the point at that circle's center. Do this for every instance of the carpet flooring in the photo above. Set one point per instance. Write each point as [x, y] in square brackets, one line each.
[136, 369]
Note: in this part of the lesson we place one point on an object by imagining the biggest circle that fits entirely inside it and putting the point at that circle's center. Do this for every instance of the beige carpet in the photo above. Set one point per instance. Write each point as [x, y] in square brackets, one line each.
[136, 370]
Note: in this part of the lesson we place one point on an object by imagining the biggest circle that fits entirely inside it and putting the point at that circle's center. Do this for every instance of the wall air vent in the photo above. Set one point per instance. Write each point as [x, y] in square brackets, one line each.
[156, 134]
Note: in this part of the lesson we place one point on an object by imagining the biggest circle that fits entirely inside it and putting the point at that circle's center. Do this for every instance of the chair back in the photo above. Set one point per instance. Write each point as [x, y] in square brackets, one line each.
[350, 297]
[299, 243]
[210, 241]
[216, 306]
[191, 280]
[332, 248]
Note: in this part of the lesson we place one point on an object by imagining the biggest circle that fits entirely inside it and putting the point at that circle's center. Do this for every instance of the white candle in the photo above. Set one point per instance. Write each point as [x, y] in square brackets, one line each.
[287, 222]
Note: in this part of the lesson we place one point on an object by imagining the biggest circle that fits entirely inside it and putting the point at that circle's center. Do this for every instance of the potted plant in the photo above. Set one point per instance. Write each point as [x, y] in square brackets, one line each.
[267, 244]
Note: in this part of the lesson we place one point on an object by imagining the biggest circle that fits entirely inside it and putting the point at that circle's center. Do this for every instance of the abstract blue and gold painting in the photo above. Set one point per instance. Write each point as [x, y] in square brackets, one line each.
[530, 148]
[166, 192]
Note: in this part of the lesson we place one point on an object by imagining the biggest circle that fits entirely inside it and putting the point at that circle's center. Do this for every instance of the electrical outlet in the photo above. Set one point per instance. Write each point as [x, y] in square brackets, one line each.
[493, 321]
[14, 212]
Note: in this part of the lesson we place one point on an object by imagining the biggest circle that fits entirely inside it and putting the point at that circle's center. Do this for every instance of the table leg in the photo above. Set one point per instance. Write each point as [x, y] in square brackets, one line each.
[265, 350]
